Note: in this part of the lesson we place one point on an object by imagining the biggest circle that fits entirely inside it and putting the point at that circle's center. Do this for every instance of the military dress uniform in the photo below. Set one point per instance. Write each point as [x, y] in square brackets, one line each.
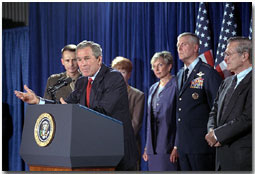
[194, 103]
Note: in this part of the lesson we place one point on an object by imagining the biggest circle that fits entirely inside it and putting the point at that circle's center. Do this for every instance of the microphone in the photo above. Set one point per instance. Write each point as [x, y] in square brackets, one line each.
[61, 80]
[60, 83]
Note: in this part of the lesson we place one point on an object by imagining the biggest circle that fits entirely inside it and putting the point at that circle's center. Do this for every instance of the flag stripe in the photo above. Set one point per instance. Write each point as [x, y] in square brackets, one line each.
[209, 57]
[204, 34]
[228, 29]
[219, 71]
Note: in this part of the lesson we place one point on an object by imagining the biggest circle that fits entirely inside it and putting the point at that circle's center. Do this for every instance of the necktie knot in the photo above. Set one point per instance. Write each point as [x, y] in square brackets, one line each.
[233, 84]
[90, 80]
[235, 79]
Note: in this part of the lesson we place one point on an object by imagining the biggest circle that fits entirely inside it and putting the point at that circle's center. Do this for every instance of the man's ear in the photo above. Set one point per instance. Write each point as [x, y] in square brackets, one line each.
[245, 56]
[196, 48]
[100, 60]
[62, 61]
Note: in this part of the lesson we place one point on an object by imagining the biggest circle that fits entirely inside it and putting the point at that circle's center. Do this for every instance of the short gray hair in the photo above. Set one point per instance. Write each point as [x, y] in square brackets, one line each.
[96, 48]
[165, 55]
[244, 45]
[193, 37]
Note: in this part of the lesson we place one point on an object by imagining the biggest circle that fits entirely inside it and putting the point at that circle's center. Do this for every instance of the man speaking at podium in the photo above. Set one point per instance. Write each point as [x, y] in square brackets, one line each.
[101, 89]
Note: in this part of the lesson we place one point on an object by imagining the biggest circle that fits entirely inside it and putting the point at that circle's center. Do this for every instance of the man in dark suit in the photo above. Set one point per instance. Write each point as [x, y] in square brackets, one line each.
[69, 61]
[108, 95]
[198, 83]
[230, 122]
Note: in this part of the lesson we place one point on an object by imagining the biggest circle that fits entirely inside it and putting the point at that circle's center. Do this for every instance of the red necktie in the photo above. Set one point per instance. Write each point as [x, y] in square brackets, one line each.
[88, 91]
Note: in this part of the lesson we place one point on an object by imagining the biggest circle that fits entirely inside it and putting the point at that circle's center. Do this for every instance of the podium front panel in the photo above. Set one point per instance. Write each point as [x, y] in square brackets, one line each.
[83, 138]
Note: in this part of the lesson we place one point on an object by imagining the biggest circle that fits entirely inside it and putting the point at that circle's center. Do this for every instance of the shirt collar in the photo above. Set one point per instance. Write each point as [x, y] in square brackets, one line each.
[191, 66]
[94, 76]
[240, 76]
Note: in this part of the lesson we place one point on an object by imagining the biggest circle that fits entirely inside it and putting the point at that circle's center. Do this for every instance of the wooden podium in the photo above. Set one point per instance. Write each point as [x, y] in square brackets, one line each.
[42, 168]
[70, 138]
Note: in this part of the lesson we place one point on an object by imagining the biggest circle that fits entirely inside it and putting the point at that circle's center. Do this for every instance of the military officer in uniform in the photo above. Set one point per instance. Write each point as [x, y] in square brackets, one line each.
[198, 84]
[68, 60]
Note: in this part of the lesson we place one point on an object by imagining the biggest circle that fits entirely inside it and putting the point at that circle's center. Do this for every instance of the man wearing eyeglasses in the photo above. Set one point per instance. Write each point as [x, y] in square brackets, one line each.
[230, 121]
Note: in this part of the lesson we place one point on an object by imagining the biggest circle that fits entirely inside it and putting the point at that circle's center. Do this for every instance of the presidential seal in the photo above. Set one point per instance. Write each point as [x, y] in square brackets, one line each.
[44, 129]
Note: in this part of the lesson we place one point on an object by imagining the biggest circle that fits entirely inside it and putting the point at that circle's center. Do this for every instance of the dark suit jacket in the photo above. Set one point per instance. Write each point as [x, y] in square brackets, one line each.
[109, 96]
[233, 128]
[62, 92]
[164, 126]
[193, 107]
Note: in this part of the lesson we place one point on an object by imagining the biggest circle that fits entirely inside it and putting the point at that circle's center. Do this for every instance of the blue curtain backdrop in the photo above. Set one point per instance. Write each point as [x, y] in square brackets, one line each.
[15, 67]
[135, 30]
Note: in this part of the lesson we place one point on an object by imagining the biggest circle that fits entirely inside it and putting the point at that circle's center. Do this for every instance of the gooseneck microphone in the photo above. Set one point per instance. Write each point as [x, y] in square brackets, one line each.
[60, 83]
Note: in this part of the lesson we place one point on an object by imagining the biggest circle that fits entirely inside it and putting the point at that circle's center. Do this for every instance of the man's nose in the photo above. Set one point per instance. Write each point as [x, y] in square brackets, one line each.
[84, 62]
[226, 59]
[179, 48]
[72, 62]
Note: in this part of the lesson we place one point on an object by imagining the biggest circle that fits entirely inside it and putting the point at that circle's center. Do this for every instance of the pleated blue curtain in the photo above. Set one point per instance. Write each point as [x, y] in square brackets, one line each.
[135, 30]
[15, 65]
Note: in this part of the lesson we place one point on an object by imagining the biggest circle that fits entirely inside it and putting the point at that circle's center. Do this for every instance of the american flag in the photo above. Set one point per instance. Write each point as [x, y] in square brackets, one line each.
[228, 29]
[250, 35]
[204, 34]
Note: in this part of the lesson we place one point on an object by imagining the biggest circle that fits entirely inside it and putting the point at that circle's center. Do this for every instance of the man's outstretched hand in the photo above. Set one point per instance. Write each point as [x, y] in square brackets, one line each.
[29, 97]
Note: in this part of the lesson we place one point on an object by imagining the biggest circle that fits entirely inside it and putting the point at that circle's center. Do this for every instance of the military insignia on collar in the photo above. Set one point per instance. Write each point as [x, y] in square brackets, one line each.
[44, 129]
[200, 74]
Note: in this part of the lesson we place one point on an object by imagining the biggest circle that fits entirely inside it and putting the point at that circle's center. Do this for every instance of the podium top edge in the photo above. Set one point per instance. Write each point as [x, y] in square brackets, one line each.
[88, 109]
[102, 115]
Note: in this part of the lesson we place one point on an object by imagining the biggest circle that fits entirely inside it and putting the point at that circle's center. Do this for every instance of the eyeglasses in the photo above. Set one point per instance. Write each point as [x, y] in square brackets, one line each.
[226, 54]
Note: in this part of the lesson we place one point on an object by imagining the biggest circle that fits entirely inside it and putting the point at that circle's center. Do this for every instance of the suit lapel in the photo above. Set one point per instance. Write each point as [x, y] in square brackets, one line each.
[152, 93]
[96, 86]
[239, 89]
[179, 78]
[221, 100]
[83, 91]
